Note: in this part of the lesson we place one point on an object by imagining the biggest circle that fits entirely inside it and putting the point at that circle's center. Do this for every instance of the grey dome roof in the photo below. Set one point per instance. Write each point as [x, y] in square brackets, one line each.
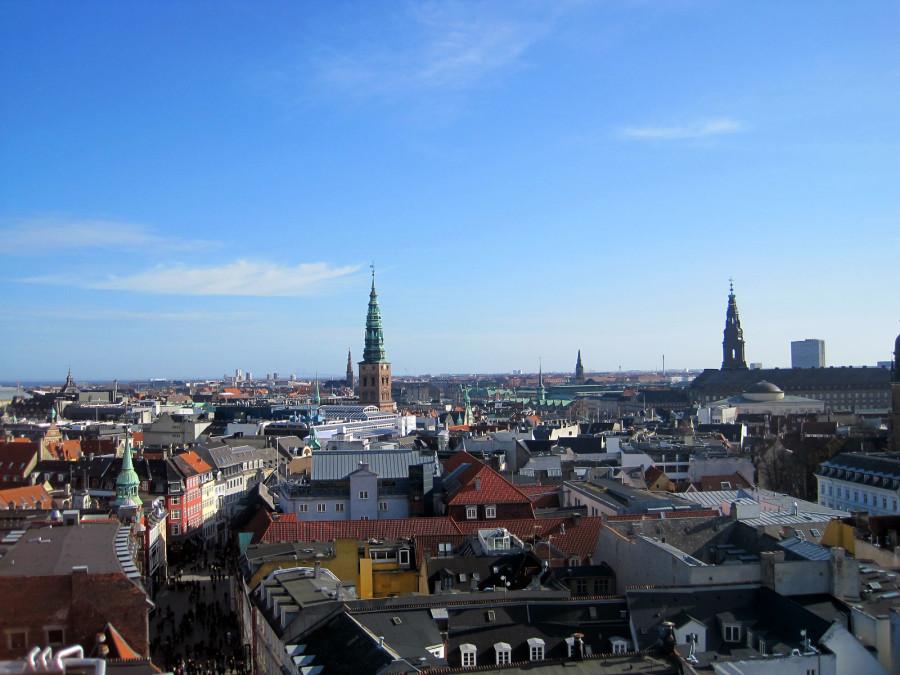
[763, 387]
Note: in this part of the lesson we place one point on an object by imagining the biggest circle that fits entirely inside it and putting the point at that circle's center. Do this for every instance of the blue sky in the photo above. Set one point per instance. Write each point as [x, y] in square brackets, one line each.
[187, 188]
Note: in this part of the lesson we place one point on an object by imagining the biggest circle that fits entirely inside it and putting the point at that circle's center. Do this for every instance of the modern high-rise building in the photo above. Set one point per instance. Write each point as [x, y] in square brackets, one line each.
[808, 353]
[733, 339]
[374, 369]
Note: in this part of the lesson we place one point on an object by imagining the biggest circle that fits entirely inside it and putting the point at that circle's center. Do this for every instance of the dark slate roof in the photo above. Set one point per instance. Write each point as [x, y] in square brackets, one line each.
[793, 379]
[879, 469]
[537, 447]
[628, 500]
[766, 609]
[407, 632]
[582, 444]
[599, 620]
[341, 645]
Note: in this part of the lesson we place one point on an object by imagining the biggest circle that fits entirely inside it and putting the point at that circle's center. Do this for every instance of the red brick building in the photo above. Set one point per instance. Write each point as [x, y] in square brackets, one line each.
[186, 509]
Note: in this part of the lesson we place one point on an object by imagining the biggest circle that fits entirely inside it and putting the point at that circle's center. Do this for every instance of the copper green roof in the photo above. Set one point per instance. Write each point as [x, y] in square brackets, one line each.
[127, 483]
[374, 350]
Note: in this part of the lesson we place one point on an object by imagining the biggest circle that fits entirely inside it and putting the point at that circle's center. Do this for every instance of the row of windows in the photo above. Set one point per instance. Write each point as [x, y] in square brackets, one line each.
[585, 586]
[17, 638]
[490, 511]
[371, 381]
[536, 651]
[866, 499]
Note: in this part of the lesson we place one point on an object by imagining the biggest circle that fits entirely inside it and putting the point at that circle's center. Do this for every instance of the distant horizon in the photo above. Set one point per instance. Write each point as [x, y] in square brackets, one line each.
[326, 377]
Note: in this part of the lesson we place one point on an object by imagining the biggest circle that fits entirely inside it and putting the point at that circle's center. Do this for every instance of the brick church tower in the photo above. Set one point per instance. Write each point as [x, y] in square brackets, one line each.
[375, 370]
[733, 342]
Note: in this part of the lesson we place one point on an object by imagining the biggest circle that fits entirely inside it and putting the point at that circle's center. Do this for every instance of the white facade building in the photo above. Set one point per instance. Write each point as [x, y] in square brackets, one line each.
[861, 482]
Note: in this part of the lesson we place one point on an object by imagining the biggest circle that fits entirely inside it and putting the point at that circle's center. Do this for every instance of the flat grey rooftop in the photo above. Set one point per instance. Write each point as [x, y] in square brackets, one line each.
[45, 551]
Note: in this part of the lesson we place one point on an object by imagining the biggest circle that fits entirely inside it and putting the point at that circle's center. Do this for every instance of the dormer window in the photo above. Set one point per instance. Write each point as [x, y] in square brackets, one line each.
[471, 512]
[535, 649]
[502, 653]
[468, 654]
[490, 511]
[619, 645]
[731, 632]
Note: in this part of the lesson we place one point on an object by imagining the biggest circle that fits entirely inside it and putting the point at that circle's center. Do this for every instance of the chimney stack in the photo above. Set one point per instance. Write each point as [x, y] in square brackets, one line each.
[477, 483]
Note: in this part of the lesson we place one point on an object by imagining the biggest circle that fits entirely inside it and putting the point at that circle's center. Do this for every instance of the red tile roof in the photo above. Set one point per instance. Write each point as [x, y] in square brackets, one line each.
[290, 529]
[27, 497]
[65, 450]
[480, 484]
[17, 452]
[573, 539]
[190, 463]
[578, 540]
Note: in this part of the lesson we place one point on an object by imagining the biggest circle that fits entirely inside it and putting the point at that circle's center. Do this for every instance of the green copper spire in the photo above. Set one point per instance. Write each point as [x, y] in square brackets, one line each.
[312, 440]
[469, 418]
[317, 398]
[374, 351]
[127, 483]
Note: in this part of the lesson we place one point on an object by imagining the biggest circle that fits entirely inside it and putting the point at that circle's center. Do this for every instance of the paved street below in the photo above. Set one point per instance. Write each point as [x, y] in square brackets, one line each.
[194, 630]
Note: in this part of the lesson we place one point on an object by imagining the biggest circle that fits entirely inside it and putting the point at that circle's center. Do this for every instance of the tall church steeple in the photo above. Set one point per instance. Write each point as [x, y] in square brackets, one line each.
[579, 370]
[374, 369]
[374, 350]
[733, 340]
[349, 382]
[542, 393]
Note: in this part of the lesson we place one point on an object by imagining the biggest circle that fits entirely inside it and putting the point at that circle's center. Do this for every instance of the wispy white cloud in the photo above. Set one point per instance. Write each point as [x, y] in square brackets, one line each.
[92, 314]
[449, 45]
[718, 126]
[37, 235]
[239, 278]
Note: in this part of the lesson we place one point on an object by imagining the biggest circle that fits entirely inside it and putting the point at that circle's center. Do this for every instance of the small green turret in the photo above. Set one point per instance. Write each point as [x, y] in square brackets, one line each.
[128, 482]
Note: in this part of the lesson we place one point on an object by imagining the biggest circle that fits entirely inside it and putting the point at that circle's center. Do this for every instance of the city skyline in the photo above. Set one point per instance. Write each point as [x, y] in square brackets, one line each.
[190, 191]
